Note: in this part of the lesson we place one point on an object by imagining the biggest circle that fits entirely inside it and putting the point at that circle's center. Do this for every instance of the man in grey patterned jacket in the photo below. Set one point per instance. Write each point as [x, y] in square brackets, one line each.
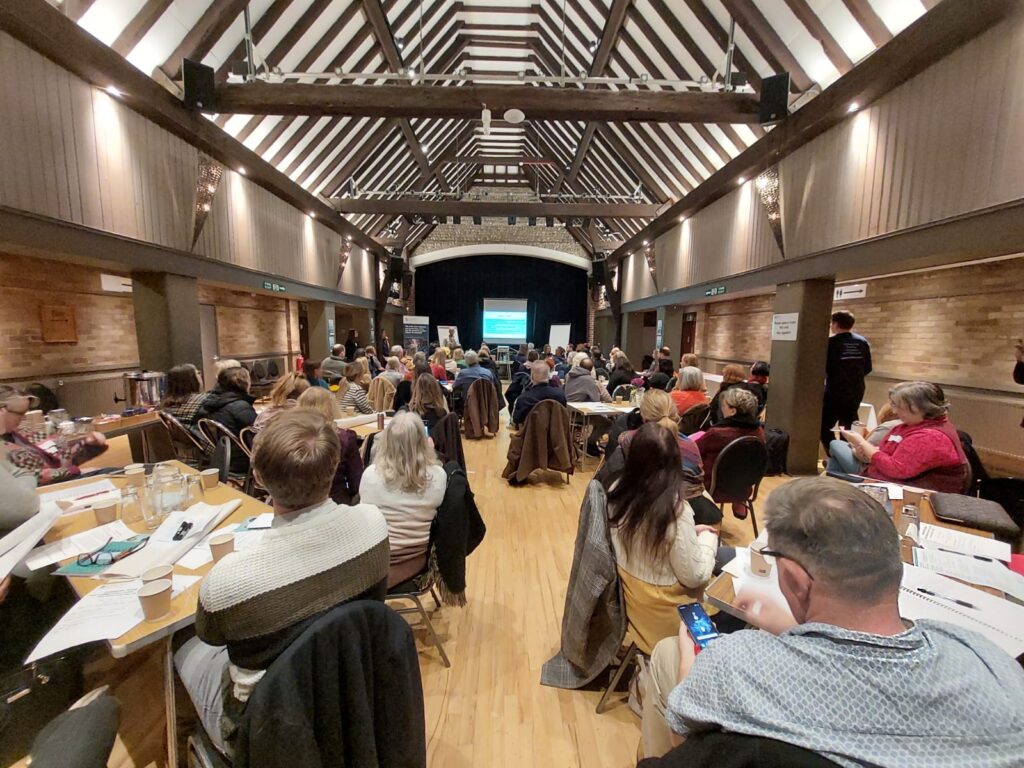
[851, 680]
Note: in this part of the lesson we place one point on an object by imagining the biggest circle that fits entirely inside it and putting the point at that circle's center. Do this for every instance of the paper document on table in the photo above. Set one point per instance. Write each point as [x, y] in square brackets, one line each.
[261, 521]
[103, 614]
[934, 537]
[77, 491]
[943, 599]
[987, 573]
[200, 554]
[161, 551]
[759, 591]
[18, 543]
[80, 543]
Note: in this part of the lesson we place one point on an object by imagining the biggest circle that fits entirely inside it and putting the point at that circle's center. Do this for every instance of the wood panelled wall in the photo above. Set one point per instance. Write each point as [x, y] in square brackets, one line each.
[949, 141]
[75, 153]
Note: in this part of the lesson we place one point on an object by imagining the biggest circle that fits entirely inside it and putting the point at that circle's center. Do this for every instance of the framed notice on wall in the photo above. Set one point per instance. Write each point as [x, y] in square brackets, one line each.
[58, 323]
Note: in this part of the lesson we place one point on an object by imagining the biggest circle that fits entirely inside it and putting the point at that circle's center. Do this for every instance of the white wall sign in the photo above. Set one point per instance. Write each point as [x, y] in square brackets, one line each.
[784, 326]
[115, 283]
[843, 292]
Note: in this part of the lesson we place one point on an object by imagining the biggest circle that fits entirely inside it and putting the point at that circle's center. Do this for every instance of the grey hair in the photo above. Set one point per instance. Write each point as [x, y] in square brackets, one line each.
[742, 400]
[397, 351]
[471, 358]
[839, 534]
[691, 379]
[393, 363]
[540, 373]
[419, 357]
[921, 397]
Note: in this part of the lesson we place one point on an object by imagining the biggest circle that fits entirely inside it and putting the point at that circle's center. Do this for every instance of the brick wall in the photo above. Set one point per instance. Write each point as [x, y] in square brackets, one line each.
[952, 326]
[105, 321]
[251, 324]
[739, 329]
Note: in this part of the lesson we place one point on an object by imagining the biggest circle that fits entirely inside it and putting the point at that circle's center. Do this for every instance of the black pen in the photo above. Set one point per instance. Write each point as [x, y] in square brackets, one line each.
[182, 531]
[964, 554]
[964, 603]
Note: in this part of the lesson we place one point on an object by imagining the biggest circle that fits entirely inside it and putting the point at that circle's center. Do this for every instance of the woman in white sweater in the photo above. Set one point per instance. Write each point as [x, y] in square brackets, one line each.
[663, 559]
[406, 482]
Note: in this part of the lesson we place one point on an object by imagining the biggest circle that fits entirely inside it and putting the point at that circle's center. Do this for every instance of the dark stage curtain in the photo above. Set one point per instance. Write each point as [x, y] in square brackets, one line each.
[452, 292]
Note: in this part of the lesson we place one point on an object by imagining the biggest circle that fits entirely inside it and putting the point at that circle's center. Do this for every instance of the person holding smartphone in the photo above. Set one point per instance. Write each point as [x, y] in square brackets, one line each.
[836, 671]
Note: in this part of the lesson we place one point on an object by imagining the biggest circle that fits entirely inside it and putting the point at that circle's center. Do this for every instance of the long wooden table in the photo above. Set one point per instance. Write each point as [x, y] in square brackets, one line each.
[721, 591]
[135, 428]
[183, 607]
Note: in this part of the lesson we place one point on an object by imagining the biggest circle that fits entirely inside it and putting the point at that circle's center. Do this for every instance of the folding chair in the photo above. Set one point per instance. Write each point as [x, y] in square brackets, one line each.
[413, 590]
[737, 474]
[215, 431]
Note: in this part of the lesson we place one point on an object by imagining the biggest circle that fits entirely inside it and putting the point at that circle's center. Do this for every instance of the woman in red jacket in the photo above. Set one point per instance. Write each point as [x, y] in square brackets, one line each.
[924, 450]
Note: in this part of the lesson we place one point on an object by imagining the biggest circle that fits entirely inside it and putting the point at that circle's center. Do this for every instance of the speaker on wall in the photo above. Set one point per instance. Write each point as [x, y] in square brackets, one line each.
[396, 268]
[774, 104]
[407, 283]
[599, 269]
[198, 84]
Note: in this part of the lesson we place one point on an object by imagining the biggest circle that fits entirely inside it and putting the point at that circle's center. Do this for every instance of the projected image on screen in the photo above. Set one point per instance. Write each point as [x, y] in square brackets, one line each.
[505, 321]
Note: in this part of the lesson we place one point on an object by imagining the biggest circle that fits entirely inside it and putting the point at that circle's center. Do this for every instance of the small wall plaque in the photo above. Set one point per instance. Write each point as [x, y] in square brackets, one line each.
[58, 322]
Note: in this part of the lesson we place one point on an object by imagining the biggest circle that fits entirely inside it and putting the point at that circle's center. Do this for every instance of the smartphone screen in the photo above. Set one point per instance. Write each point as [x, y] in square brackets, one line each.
[698, 624]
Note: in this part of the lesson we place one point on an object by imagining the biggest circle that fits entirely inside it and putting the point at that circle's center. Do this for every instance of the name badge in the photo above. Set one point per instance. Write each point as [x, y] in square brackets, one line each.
[895, 438]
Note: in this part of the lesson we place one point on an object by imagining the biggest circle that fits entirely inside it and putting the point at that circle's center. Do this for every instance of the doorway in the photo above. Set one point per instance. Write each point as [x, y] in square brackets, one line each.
[208, 343]
[689, 335]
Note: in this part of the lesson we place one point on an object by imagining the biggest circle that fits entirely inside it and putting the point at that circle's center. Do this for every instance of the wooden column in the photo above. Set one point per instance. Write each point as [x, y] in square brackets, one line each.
[322, 328]
[797, 384]
[167, 320]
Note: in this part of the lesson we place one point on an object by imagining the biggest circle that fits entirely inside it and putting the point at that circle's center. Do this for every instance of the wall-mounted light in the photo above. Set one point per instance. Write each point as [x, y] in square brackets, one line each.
[312, 214]
[741, 181]
[113, 91]
[853, 107]
[241, 170]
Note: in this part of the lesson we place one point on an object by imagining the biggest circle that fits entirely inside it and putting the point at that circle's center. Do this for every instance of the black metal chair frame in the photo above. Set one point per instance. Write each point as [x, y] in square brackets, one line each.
[425, 587]
[755, 484]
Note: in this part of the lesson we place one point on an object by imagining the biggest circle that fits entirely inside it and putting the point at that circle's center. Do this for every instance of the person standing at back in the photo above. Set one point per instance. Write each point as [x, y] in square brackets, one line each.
[351, 343]
[849, 361]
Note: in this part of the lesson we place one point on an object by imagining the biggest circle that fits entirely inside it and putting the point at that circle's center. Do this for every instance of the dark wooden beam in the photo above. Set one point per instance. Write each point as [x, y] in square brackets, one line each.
[386, 40]
[929, 39]
[466, 101]
[494, 208]
[870, 21]
[140, 24]
[833, 50]
[767, 41]
[47, 31]
[499, 160]
[204, 34]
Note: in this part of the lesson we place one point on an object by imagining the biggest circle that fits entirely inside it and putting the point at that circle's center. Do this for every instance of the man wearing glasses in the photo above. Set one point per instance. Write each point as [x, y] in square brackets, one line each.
[842, 676]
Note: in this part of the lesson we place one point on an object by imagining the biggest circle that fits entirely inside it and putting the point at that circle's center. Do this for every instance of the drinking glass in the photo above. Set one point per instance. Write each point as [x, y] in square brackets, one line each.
[194, 492]
[131, 506]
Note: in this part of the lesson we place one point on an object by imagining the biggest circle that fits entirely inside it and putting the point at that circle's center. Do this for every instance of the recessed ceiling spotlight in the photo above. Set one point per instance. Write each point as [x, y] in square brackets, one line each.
[210, 188]
[593, 45]
[206, 207]
[312, 214]
[241, 170]
[853, 107]
[113, 91]
[741, 180]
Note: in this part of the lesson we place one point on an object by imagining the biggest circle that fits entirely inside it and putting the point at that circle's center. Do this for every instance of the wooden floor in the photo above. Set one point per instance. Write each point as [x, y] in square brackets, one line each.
[489, 708]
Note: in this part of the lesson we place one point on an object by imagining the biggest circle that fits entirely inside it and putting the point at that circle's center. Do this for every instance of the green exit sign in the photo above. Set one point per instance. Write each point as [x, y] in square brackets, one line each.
[276, 287]
[716, 291]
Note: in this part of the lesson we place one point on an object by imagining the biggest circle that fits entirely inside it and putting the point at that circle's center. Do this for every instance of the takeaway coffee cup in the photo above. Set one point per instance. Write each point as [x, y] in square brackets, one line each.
[211, 477]
[135, 476]
[758, 565]
[222, 544]
[105, 511]
[155, 597]
[157, 573]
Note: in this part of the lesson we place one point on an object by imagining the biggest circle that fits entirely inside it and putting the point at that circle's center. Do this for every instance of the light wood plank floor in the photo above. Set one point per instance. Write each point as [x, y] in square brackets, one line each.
[489, 708]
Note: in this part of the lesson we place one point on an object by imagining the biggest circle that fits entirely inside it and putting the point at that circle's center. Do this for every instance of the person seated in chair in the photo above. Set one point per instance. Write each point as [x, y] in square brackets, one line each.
[282, 397]
[473, 371]
[407, 483]
[663, 558]
[581, 386]
[690, 389]
[733, 375]
[428, 401]
[739, 411]
[393, 371]
[661, 379]
[314, 374]
[924, 450]
[539, 389]
[184, 394]
[333, 366]
[255, 602]
[622, 374]
[345, 486]
[838, 672]
[354, 397]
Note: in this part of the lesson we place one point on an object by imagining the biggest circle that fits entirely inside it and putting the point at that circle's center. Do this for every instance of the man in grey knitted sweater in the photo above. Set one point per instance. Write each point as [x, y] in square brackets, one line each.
[316, 555]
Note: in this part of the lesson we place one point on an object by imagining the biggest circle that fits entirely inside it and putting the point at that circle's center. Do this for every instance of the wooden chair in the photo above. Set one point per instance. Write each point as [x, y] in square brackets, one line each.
[190, 447]
[737, 474]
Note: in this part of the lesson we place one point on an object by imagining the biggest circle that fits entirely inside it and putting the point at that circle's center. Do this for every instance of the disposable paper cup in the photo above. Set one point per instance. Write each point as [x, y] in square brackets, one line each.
[618, 399]
[156, 573]
[135, 476]
[156, 599]
[222, 544]
[211, 477]
[134, 466]
[105, 511]
[758, 565]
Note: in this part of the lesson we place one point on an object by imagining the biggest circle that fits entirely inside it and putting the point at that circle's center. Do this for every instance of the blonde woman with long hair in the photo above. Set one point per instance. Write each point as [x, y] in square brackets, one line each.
[406, 482]
[658, 407]
[349, 472]
[283, 396]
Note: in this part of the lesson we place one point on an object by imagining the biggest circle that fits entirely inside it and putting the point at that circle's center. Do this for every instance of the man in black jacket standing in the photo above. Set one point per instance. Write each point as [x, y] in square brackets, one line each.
[849, 361]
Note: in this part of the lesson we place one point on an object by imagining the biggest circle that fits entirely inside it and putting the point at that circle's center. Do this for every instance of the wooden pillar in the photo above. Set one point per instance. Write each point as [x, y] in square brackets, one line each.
[322, 328]
[167, 320]
[797, 385]
[671, 319]
[633, 337]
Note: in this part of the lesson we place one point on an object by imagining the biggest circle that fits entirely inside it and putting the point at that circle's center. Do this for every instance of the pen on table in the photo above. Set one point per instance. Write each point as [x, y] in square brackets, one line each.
[964, 554]
[182, 531]
[964, 603]
[90, 495]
